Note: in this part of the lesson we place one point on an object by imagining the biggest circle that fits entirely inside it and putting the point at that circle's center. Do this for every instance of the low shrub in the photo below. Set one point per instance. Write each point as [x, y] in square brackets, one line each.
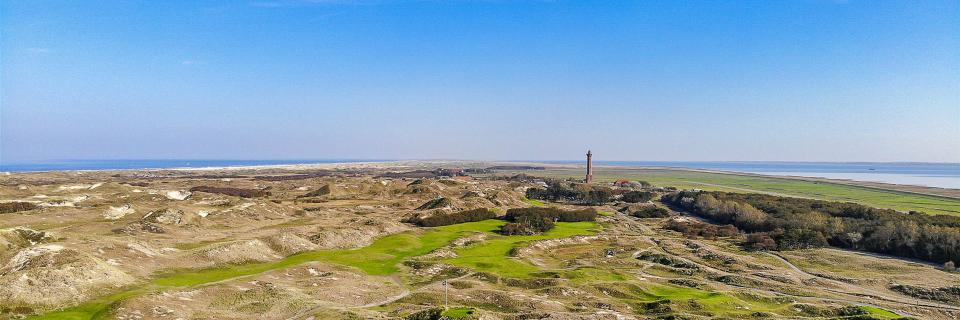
[429, 314]
[435, 203]
[651, 212]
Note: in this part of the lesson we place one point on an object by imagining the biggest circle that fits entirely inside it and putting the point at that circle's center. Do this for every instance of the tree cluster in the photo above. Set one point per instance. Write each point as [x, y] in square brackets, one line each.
[636, 196]
[525, 226]
[528, 221]
[648, 211]
[794, 223]
[695, 229]
[572, 193]
[453, 218]
[553, 214]
[11, 207]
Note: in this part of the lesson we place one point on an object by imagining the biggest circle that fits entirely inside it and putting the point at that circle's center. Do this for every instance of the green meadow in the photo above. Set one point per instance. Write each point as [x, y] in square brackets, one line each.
[458, 313]
[898, 200]
[380, 258]
[493, 254]
[715, 303]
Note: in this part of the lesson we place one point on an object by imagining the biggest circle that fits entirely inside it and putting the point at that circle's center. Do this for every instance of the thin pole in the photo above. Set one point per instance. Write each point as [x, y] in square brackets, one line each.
[446, 299]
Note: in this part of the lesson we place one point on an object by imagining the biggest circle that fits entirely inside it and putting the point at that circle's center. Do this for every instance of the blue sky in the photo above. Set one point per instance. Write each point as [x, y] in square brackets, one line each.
[803, 80]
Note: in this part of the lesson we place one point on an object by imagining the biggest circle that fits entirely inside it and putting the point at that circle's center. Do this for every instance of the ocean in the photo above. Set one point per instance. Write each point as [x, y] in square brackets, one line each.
[943, 175]
[152, 164]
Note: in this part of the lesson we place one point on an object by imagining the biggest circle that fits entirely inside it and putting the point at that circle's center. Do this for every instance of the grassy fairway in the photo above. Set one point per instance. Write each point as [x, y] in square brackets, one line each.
[379, 258]
[535, 203]
[458, 313]
[903, 201]
[493, 254]
[712, 303]
[880, 313]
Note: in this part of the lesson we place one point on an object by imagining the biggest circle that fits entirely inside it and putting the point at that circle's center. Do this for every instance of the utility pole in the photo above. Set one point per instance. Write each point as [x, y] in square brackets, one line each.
[445, 297]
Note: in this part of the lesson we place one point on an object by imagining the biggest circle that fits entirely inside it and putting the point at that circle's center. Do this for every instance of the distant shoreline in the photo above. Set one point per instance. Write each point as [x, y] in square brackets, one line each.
[232, 165]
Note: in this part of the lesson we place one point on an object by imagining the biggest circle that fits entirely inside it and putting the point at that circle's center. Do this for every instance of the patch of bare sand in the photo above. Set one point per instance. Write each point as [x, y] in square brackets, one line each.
[277, 294]
[52, 275]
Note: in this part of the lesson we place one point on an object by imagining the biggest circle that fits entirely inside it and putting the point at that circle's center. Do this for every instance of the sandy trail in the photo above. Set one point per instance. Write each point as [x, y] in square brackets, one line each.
[396, 279]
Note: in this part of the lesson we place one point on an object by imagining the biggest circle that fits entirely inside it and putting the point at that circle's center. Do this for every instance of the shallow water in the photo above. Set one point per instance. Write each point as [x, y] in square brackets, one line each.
[942, 175]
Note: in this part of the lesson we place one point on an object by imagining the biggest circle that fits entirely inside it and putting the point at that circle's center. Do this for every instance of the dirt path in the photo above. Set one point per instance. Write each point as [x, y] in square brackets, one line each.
[789, 264]
[406, 292]
[854, 290]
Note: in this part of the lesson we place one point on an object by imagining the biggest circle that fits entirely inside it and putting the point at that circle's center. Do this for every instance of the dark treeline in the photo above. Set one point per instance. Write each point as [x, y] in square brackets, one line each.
[528, 221]
[11, 207]
[293, 177]
[453, 218]
[572, 193]
[791, 223]
[554, 214]
[516, 168]
[243, 193]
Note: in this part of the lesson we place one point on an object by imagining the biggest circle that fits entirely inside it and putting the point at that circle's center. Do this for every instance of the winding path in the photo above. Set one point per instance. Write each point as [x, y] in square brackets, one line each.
[406, 292]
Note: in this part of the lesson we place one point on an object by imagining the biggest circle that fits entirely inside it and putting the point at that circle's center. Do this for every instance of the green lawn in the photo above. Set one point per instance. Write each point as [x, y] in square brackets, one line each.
[788, 187]
[535, 203]
[492, 255]
[715, 303]
[589, 274]
[458, 313]
[880, 313]
[380, 258]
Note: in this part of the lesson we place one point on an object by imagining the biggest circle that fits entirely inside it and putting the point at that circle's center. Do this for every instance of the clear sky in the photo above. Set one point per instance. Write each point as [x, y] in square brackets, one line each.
[806, 80]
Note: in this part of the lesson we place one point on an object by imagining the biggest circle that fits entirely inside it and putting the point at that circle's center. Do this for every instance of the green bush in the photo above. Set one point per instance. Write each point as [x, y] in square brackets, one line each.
[429, 314]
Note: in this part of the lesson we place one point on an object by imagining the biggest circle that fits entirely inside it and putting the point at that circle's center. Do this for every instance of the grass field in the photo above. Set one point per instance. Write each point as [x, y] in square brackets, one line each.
[379, 258]
[897, 200]
[493, 254]
[880, 313]
[716, 303]
[535, 203]
[458, 313]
